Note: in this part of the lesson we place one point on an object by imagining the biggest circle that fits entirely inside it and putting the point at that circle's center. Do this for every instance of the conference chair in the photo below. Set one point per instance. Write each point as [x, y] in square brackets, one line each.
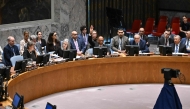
[161, 28]
[18, 45]
[149, 27]
[175, 28]
[135, 27]
[16, 58]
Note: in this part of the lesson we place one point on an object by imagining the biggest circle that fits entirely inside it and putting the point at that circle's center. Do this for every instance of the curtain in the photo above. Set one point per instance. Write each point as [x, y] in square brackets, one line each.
[132, 9]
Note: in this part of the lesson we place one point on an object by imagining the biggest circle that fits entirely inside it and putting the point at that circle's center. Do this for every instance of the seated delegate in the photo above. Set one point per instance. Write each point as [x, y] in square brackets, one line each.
[30, 52]
[141, 43]
[64, 46]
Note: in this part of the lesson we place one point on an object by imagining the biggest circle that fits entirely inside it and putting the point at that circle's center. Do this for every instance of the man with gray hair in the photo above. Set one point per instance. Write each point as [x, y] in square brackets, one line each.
[178, 46]
[37, 46]
[10, 50]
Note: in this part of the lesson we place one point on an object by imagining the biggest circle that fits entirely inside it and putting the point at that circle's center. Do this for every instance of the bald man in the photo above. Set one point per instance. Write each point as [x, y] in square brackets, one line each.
[101, 43]
[77, 43]
[141, 43]
[10, 50]
[178, 46]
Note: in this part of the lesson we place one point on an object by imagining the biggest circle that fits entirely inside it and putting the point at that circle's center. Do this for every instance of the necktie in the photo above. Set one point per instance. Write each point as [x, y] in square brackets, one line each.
[76, 45]
[166, 42]
[120, 43]
[176, 48]
[13, 50]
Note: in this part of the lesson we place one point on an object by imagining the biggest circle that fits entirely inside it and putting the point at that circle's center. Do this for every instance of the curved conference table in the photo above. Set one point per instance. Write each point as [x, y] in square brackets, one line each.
[95, 72]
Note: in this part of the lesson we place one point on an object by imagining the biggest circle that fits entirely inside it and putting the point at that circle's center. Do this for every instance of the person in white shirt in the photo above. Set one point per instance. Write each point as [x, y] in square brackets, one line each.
[24, 42]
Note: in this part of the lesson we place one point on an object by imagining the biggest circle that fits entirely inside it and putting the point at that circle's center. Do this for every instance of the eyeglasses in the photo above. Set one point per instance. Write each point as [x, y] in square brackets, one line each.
[136, 38]
[75, 34]
[120, 32]
[141, 31]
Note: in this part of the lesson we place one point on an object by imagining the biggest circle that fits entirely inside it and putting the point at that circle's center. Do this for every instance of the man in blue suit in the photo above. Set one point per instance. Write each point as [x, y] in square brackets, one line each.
[141, 43]
[77, 43]
[84, 36]
[10, 50]
[186, 41]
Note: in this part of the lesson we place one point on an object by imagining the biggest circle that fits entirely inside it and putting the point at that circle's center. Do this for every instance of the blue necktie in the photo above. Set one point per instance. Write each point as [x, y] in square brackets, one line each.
[176, 49]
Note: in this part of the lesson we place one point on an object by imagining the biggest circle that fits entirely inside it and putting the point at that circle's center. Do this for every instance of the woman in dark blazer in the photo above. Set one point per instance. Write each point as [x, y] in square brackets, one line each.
[30, 52]
[64, 46]
[52, 44]
[40, 40]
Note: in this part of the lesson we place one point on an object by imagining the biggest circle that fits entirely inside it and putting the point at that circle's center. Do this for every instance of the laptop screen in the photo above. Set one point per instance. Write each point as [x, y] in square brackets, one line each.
[16, 100]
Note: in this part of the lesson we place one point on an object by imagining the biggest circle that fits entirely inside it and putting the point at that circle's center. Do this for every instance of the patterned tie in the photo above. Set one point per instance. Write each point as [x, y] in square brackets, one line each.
[166, 42]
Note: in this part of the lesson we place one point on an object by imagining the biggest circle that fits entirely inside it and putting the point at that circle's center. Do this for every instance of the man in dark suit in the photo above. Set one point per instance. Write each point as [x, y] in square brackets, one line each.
[77, 43]
[101, 44]
[178, 46]
[118, 42]
[141, 43]
[186, 41]
[144, 37]
[92, 39]
[10, 50]
[166, 40]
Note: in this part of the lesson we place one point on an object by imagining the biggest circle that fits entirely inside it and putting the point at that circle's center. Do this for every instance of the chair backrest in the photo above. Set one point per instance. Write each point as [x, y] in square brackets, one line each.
[136, 24]
[16, 58]
[161, 26]
[175, 28]
[3, 59]
[61, 42]
[149, 26]
[188, 20]
[175, 20]
[2, 65]
[18, 45]
[164, 17]
[45, 49]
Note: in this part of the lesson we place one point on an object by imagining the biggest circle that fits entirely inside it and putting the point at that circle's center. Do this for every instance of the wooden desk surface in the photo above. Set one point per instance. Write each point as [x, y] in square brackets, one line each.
[96, 72]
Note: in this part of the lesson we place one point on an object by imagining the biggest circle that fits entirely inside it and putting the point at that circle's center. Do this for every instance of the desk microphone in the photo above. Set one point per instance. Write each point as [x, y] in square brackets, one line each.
[14, 76]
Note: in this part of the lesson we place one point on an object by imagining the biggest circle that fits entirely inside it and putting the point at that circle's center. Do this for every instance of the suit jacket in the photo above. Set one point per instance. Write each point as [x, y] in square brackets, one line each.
[115, 43]
[145, 38]
[50, 47]
[143, 47]
[8, 53]
[182, 48]
[43, 42]
[183, 40]
[162, 41]
[81, 44]
[27, 55]
[92, 42]
[81, 37]
[171, 36]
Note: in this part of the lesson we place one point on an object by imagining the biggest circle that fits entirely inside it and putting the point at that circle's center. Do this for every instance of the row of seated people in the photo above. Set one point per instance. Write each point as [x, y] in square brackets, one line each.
[82, 42]
[34, 46]
[178, 44]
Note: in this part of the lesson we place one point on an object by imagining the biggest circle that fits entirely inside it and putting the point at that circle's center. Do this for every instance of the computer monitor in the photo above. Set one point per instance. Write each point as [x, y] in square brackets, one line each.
[100, 51]
[40, 59]
[5, 73]
[17, 101]
[131, 50]
[50, 106]
[20, 66]
[70, 54]
[46, 58]
[165, 50]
